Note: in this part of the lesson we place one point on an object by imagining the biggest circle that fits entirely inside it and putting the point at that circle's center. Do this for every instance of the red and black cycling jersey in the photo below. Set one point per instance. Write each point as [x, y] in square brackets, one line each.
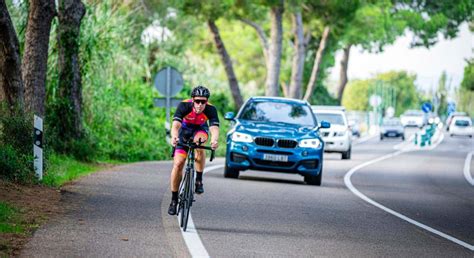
[187, 116]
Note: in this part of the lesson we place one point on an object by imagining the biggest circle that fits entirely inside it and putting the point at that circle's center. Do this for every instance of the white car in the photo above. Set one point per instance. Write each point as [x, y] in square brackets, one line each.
[461, 125]
[337, 138]
[413, 118]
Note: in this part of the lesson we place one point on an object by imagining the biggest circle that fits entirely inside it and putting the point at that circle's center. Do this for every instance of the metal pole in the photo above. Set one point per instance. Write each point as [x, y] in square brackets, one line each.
[38, 147]
[168, 104]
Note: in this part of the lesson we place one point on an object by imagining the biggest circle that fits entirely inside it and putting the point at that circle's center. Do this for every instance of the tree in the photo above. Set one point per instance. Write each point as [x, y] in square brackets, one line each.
[298, 56]
[373, 26]
[233, 83]
[428, 18]
[272, 48]
[442, 93]
[11, 83]
[398, 86]
[35, 58]
[210, 11]
[69, 106]
[466, 91]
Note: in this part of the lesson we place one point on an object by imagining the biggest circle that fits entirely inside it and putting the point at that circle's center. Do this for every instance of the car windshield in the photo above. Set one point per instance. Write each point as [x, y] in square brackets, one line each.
[335, 119]
[391, 122]
[462, 123]
[279, 112]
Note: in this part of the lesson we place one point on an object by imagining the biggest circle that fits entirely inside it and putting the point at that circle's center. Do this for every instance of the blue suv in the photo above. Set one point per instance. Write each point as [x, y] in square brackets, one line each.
[275, 134]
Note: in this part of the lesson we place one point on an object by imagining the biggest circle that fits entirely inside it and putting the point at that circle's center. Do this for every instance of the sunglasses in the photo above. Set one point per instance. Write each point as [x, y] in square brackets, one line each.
[200, 101]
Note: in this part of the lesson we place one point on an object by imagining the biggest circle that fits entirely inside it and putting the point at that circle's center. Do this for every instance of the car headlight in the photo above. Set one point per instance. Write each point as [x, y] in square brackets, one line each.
[341, 133]
[310, 143]
[241, 137]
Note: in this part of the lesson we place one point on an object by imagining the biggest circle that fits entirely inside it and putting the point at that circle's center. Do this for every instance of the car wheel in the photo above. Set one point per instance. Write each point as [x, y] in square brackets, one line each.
[381, 137]
[347, 154]
[314, 180]
[231, 172]
[451, 135]
[403, 137]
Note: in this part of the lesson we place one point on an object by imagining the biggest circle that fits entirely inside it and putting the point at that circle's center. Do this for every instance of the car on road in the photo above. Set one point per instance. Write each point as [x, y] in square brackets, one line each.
[338, 138]
[355, 128]
[451, 116]
[413, 118]
[275, 134]
[461, 125]
[392, 127]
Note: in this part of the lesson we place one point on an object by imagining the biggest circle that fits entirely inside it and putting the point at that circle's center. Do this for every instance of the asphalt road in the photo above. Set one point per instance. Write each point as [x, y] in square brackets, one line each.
[122, 212]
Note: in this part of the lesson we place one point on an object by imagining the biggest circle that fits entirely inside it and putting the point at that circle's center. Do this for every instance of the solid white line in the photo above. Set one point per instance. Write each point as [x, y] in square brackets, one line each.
[467, 168]
[347, 181]
[191, 236]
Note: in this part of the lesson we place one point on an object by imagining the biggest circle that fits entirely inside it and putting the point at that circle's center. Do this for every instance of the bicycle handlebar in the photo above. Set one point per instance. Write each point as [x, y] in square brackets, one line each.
[193, 145]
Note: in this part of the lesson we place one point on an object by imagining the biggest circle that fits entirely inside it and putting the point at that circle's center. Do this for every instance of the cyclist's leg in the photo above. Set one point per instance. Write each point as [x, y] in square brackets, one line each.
[200, 154]
[177, 172]
[200, 159]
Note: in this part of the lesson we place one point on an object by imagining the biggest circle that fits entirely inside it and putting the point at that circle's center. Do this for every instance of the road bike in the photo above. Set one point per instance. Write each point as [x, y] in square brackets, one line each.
[186, 188]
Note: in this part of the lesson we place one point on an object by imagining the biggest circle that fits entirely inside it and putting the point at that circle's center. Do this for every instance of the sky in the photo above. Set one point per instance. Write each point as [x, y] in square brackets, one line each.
[427, 64]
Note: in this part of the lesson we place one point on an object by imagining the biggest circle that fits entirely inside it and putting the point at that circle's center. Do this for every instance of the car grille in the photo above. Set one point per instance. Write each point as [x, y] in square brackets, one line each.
[264, 141]
[283, 143]
[274, 163]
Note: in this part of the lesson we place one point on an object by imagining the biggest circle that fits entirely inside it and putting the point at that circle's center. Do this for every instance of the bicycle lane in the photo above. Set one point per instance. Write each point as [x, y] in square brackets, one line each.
[116, 212]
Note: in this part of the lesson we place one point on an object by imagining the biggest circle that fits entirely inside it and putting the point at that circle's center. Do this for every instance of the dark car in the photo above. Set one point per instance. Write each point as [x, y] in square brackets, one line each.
[392, 128]
[275, 134]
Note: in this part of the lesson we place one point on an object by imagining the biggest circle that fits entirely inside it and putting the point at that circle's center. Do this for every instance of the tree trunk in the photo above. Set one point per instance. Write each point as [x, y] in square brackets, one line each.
[11, 83]
[298, 57]
[274, 51]
[69, 84]
[343, 72]
[317, 62]
[35, 58]
[229, 69]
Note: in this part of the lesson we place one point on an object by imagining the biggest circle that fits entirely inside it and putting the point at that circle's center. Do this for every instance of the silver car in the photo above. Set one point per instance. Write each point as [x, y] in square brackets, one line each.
[392, 128]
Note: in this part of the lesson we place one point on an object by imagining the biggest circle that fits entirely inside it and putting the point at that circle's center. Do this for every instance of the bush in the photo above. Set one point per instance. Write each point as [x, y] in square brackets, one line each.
[16, 139]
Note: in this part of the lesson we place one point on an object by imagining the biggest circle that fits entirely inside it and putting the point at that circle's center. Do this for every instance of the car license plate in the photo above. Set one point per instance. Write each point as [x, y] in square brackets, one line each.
[274, 157]
[392, 134]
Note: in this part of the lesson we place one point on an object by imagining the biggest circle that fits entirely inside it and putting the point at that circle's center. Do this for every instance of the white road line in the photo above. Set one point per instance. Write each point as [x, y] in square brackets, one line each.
[347, 181]
[191, 236]
[467, 168]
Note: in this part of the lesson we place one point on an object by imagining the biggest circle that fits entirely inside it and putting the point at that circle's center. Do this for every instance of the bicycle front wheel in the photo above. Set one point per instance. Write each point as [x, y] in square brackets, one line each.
[187, 201]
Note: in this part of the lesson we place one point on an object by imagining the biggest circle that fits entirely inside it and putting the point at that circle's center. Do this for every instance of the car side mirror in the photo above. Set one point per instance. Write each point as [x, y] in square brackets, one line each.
[325, 124]
[229, 116]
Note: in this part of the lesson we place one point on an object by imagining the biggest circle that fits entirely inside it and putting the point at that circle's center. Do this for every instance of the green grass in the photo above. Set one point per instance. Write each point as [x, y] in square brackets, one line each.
[62, 169]
[9, 219]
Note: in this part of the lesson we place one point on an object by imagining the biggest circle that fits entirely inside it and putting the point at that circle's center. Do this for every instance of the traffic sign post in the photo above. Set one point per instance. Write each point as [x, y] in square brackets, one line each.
[168, 81]
[426, 107]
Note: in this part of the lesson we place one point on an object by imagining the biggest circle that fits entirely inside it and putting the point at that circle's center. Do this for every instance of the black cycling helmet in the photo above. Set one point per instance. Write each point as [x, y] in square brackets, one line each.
[200, 91]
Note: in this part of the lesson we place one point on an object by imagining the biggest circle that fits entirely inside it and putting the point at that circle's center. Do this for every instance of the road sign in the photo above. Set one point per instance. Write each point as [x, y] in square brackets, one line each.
[168, 81]
[375, 100]
[426, 107]
[451, 108]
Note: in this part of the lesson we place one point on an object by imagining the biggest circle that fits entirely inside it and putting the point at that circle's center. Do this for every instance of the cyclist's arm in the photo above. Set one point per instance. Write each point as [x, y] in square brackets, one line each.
[214, 136]
[175, 132]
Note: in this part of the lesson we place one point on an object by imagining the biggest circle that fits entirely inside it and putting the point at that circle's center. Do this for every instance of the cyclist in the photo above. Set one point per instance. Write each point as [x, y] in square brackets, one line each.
[191, 120]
